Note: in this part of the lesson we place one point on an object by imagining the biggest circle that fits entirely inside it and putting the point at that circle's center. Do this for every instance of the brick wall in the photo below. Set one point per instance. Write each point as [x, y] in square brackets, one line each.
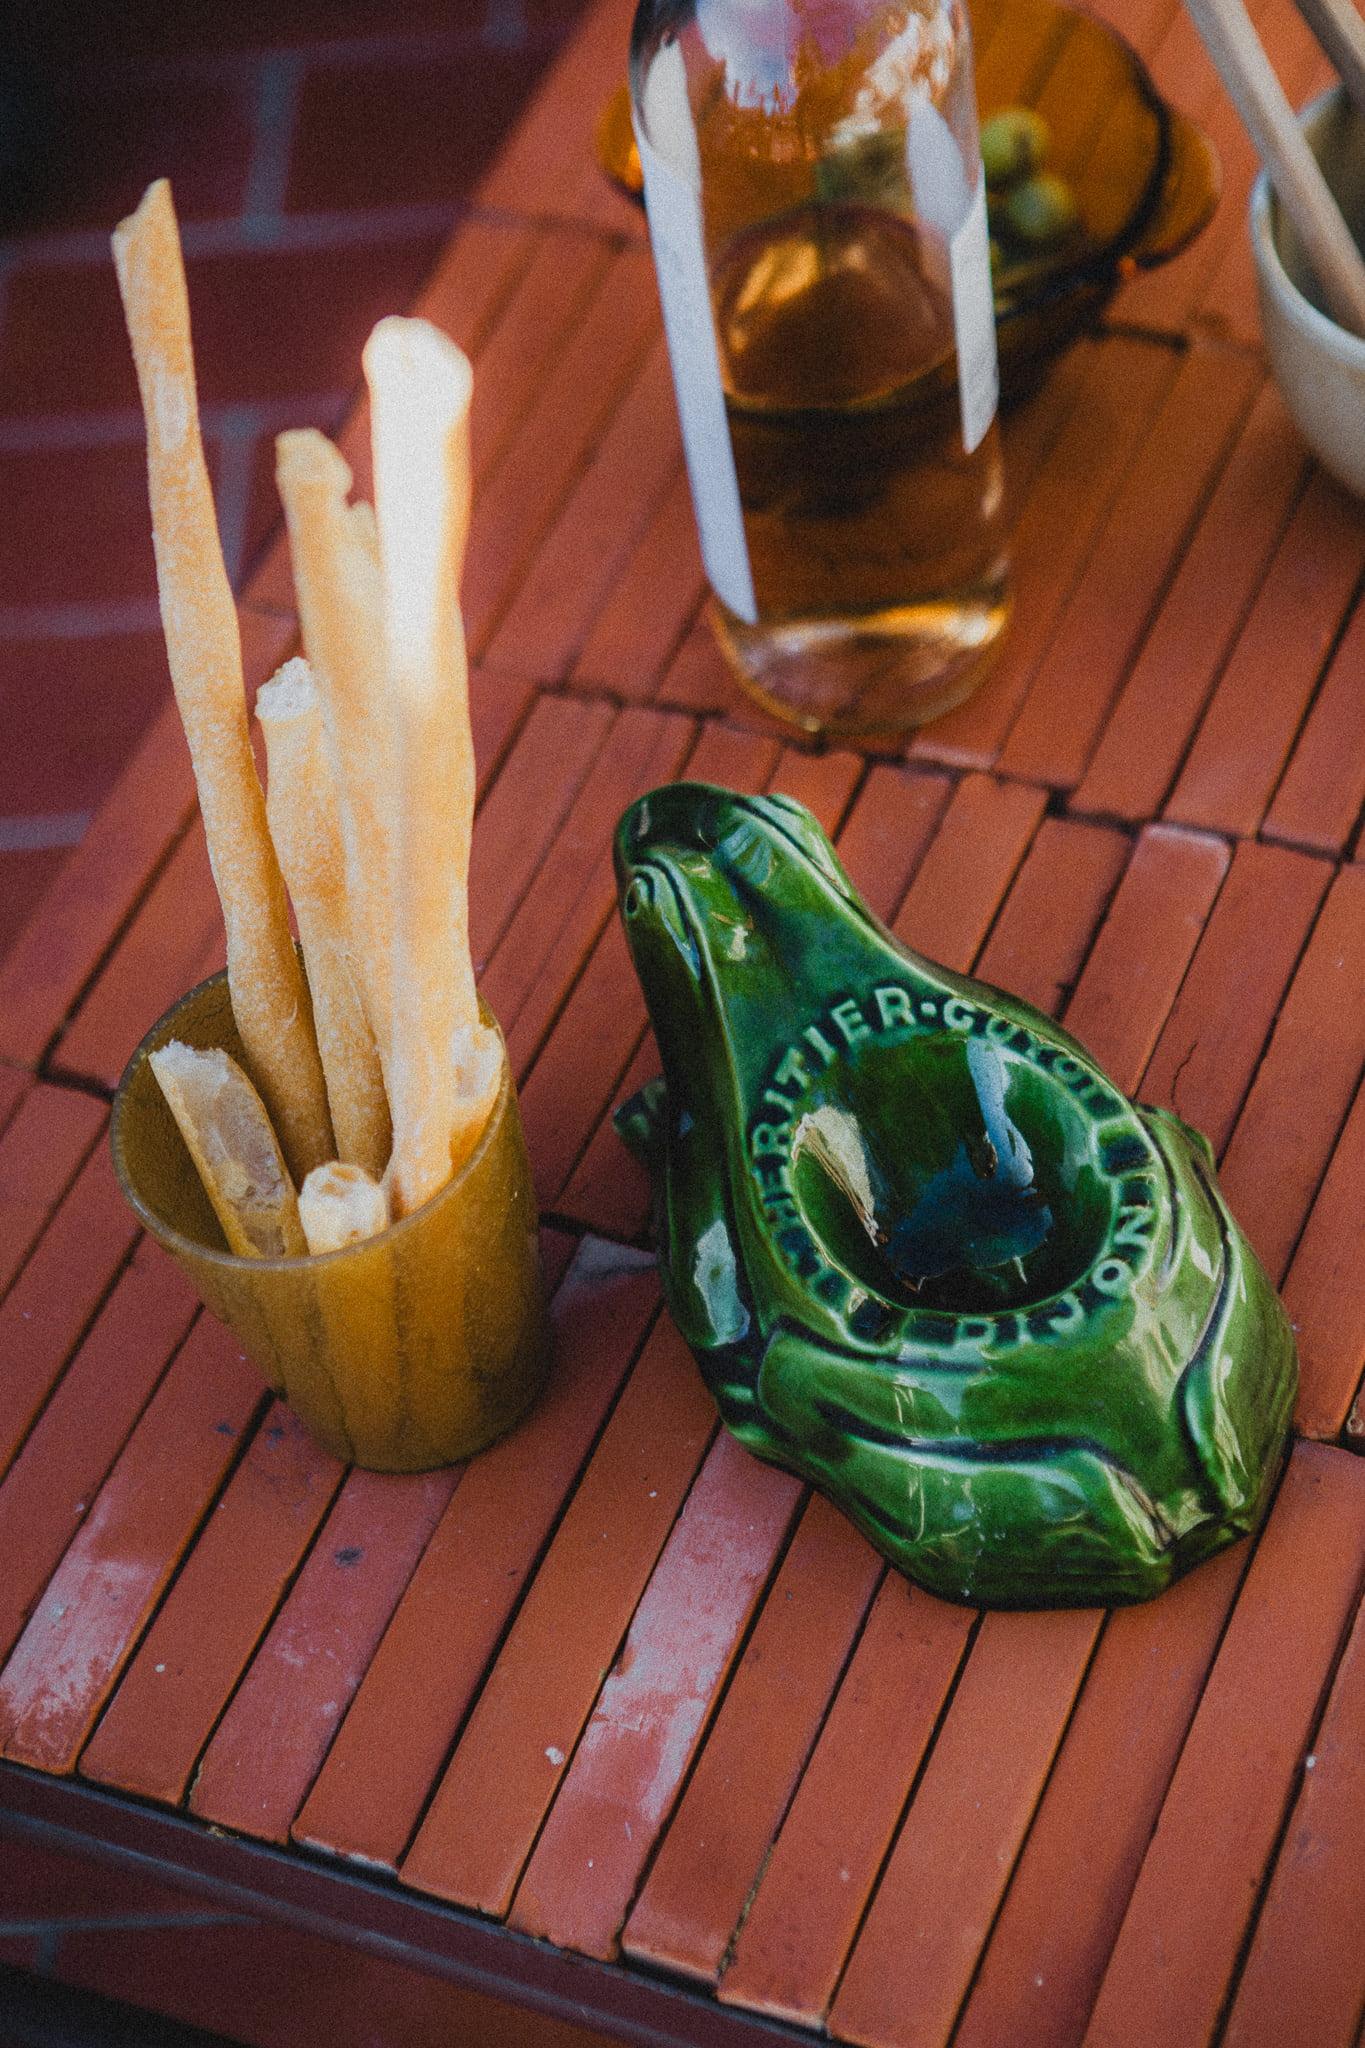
[319, 156]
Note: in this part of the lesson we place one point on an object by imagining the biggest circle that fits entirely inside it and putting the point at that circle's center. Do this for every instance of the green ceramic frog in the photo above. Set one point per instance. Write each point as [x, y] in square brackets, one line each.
[926, 1254]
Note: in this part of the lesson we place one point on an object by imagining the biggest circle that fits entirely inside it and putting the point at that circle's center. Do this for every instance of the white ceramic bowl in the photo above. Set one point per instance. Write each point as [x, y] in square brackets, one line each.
[1319, 367]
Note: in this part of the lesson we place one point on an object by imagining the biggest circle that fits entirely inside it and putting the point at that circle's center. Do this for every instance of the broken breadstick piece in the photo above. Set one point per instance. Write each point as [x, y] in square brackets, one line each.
[340, 1205]
[269, 999]
[336, 575]
[444, 1064]
[301, 804]
[233, 1145]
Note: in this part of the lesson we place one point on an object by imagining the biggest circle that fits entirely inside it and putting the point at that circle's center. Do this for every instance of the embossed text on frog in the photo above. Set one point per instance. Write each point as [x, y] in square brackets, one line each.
[925, 1252]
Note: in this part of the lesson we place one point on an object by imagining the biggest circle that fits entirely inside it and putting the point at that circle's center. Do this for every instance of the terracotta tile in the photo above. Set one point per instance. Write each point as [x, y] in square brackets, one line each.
[807, 1907]
[56, 1477]
[75, 713]
[1323, 1293]
[1148, 729]
[1141, 542]
[554, 439]
[943, 1882]
[1073, 871]
[559, 920]
[1142, 953]
[1178, 1946]
[407, 134]
[641, 623]
[25, 879]
[303, 1675]
[1289, 1117]
[655, 1703]
[1063, 1910]
[583, 557]
[168, 1700]
[547, 167]
[1244, 739]
[512, 1753]
[1303, 1985]
[1124, 385]
[152, 966]
[714, 1849]
[1231, 995]
[15, 1087]
[42, 1149]
[60, 1288]
[957, 889]
[394, 1741]
[1323, 790]
[146, 1513]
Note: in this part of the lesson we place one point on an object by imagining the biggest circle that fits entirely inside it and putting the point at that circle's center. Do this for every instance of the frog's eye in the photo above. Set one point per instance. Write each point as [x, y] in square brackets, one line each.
[800, 831]
[747, 852]
[638, 897]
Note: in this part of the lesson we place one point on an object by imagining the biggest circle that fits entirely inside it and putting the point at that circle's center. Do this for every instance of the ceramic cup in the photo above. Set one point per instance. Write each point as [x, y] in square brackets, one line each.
[407, 1351]
[1319, 367]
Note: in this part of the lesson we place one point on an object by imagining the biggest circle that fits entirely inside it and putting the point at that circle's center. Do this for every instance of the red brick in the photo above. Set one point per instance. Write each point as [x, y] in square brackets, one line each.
[77, 528]
[267, 325]
[404, 134]
[106, 137]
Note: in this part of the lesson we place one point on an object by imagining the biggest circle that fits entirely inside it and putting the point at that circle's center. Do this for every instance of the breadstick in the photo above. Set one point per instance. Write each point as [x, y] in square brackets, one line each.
[301, 804]
[444, 1065]
[340, 1205]
[336, 575]
[269, 1000]
[232, 1143]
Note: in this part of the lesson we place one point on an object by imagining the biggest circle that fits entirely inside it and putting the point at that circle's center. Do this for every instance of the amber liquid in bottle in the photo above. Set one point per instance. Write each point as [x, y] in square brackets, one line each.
[876, 542]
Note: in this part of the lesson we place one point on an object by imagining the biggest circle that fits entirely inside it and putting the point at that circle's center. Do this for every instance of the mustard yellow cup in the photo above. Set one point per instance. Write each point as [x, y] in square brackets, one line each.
[406, 1351]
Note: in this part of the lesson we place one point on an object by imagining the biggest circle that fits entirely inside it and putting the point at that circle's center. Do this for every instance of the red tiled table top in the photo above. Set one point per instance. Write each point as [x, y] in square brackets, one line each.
[615, 1691]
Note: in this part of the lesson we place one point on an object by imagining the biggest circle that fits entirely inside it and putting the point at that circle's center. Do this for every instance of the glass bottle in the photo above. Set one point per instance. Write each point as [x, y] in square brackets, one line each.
[818, 215]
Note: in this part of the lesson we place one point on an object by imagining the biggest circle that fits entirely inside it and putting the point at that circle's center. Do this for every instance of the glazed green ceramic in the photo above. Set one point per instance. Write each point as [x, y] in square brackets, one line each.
[926, 1254]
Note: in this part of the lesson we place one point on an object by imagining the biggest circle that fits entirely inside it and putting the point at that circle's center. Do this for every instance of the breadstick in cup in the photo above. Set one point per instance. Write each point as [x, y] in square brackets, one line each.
[269, 999]
[301, 804]
[444, 1065]
[230, 1139]
[336, 574]
[341, 1205]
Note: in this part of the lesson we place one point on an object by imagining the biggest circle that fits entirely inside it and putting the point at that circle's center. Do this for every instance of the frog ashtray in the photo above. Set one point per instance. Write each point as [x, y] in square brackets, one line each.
[926, 1254]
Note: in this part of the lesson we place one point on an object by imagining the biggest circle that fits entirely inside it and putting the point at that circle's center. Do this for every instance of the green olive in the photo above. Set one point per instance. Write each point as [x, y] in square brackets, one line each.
[1014, 144]
[1041, 212]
